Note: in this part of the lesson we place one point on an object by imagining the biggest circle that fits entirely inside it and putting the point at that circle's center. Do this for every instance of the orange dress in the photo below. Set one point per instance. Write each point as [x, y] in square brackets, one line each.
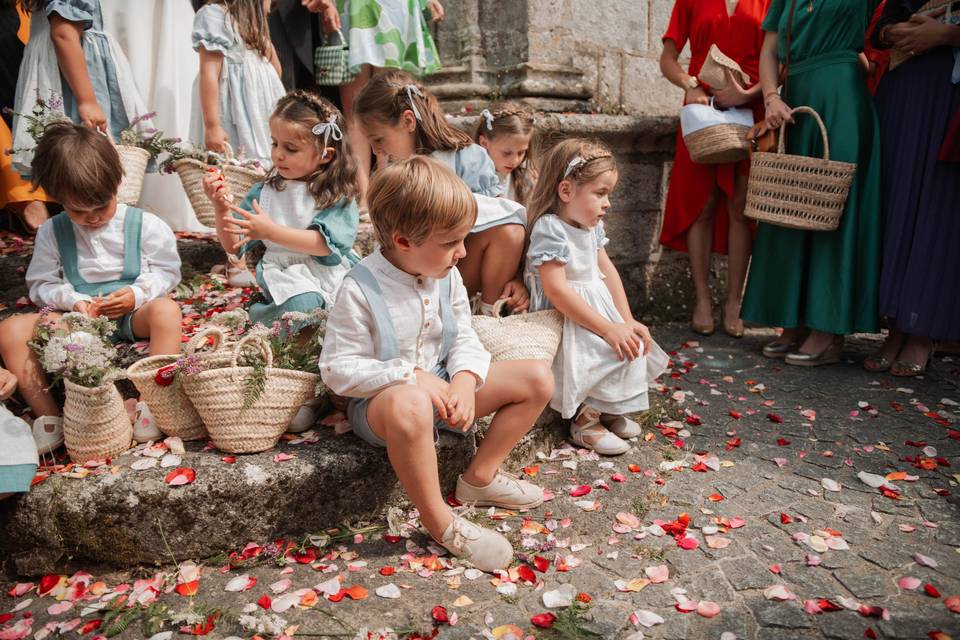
[703, 23]
[13, 189]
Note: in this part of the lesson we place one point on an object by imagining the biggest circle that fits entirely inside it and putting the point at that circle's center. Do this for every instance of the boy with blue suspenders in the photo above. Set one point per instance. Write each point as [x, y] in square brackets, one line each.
[97, 257]
[399, 343]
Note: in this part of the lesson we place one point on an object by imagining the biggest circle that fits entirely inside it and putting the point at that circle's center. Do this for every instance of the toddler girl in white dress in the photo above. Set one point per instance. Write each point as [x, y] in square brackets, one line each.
[607, 358]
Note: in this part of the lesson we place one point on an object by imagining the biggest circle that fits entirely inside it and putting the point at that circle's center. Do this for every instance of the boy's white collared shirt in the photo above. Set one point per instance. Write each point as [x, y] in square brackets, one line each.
[348, 360]
[100, 259]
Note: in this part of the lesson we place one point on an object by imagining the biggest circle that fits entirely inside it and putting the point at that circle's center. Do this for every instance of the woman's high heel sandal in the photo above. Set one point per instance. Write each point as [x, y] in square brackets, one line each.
[830, 355]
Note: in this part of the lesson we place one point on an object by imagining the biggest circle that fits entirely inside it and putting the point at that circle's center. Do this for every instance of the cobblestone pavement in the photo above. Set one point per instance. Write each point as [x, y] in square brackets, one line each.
[819, 504]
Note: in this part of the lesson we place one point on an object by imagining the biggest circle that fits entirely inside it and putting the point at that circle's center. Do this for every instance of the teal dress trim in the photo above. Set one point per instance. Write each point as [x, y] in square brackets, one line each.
[67, 246]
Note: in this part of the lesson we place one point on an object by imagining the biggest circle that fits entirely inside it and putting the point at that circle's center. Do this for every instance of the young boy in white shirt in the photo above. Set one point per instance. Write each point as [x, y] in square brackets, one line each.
[400, 344]
[98, 257]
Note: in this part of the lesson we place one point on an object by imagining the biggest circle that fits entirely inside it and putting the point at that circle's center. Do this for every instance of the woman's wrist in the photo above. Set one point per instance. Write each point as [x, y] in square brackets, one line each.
[770, 96]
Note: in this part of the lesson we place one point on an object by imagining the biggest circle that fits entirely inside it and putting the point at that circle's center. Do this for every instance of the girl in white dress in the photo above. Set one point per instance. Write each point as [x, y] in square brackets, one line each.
[401, 118]
[506, 131]
[87, 68]
[606, 358]
[304, 213]
[237, 87]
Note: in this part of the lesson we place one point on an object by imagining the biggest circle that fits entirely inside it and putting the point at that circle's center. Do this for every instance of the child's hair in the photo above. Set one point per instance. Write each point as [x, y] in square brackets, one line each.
[250, 22]
[331, 181]
[77, 165]
[391, 92]
[512, 118]
[576, 159]
[418, 197]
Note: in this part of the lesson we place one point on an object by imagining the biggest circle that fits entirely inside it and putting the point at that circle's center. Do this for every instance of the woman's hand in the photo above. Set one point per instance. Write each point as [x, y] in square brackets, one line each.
[732, 95]
[91, 115]
[777, 112]
[919, 35]
[436, 10]
[215, 138]
[623, 339]
[329, 16]
[697, 95]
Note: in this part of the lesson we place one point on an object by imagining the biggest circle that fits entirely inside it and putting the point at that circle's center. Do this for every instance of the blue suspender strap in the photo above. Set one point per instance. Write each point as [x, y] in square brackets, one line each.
[387, 347]
[67, 246]
[447, 319]
[132, 226]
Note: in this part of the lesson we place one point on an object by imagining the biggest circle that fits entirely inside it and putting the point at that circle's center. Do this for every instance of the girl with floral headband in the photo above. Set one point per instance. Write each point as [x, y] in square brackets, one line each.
[401, 119]
[304, 213]
[607, 358]
[506, 131]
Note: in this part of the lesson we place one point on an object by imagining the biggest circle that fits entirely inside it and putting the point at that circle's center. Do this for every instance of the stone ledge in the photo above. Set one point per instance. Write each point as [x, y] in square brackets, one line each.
[118, 518]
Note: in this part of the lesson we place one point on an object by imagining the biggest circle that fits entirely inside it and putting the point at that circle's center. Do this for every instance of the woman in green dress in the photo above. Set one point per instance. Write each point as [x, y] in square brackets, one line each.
[390, 34]
[825, 281]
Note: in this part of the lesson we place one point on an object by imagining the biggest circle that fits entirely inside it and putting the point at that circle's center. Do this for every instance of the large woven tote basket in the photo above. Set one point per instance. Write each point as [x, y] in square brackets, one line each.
[171, 408]
[192, 173]
[524, 336]
[95, 422]
[799, 192]
[218, 396]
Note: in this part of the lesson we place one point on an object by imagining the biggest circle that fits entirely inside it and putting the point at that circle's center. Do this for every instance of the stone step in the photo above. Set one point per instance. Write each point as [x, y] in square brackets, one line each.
[124, 517]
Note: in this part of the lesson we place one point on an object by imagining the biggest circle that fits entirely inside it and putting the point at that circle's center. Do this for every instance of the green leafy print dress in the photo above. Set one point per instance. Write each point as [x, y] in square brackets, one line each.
[389, 33]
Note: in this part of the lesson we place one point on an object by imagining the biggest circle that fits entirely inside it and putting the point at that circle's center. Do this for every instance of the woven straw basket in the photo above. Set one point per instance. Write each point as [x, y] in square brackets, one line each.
[217, 395]
[525, 336]
[796, 191]
[715, 66]
[134, 161]
[95, 422]
[719, 144]
[192, 173]
[169, 404]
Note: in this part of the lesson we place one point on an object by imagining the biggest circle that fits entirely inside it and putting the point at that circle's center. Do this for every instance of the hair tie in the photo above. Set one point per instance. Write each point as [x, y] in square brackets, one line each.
[413, 90]
[573, 164]
[328, 129]
[486, 115]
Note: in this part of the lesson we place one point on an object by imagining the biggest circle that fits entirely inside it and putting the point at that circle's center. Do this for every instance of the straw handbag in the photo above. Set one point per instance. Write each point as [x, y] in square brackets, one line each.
[192, 172]
[218, 396]
[714, 136]
[524, 336]
[95, 422]
[169, 403]
[134, 161]
[715, 66]
[796, 191]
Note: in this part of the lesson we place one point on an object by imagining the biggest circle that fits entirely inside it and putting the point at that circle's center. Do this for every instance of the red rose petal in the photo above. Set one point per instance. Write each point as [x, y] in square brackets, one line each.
[543, 620]
[931, 590]
[541, 564]
[439, 614]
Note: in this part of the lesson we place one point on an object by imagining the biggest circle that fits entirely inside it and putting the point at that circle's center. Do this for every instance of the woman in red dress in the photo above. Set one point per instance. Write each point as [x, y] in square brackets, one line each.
[705, 202]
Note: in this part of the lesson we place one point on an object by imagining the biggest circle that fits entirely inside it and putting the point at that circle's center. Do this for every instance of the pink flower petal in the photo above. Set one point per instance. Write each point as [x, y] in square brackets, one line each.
[708, 609]
[909, 582]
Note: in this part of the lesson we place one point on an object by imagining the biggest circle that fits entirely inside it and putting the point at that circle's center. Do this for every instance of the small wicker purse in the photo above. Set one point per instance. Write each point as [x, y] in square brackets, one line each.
[192, 172]
[524, 336]
[715, 66]
[796, 191]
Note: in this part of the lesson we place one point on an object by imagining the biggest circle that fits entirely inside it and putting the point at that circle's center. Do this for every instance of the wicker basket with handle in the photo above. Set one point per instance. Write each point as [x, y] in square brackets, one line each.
[799, 192]
[523, 336]
[192, 172]
[218, 396]
[95, 422]
[171, 408]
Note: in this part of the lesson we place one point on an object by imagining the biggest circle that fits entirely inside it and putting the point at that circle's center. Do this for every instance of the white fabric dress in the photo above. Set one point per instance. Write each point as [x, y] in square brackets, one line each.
[586, 369]
[476, 169]
[287, 273]
[249, 86]
[155, 34]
